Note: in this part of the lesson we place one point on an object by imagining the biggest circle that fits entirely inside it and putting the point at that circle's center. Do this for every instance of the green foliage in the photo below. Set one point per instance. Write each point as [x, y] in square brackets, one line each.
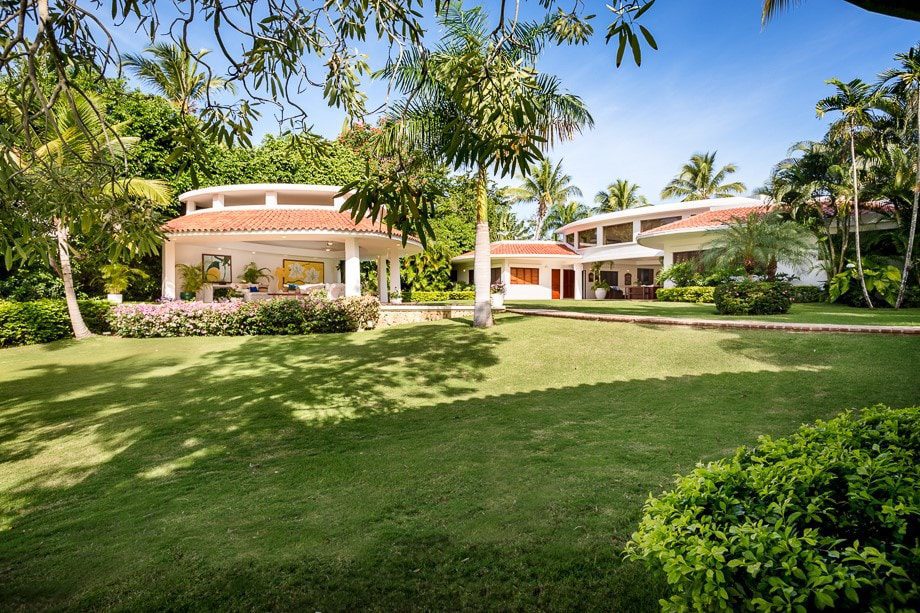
[699, 180]
[807, 293]
[30, 283]
[756, 243]
[43, 321]
[688, 293]
[681, 274]
[192, 276]
[428, 270]
[753, 297]
[252, 274]
[117, 277]
[438, 296]
[825, 518]
[881, 282]
[619, 196]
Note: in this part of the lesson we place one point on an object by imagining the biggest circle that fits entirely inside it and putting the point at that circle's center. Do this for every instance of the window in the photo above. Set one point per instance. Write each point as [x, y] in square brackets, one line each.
[587, 238]
[686, 256]
[611, 276]
[525, 276]
[651, 224]
[496, 276]
[620, 233]
[646, 276]
[570, 238]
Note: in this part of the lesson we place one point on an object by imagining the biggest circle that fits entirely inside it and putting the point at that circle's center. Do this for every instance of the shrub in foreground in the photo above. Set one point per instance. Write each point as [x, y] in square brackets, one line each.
[807, 293]
[753, 297]
[438, 296]
[43, 321]
[302, 315]
[690, 293]
[826, 518]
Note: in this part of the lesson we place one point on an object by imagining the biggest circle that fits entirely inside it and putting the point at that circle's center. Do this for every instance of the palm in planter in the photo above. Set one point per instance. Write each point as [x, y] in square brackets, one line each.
[117, 277]
[192, 280]
[252, 274]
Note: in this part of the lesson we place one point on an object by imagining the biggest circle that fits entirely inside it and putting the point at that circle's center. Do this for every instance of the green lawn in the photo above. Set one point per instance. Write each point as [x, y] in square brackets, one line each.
[417, 467]
[816, 313]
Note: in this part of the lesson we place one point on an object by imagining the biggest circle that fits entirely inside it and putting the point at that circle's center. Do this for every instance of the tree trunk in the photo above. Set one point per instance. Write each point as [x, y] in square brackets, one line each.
[80, 330]
[909, 253]
[482, 259]
[538, 226]
[859, 265]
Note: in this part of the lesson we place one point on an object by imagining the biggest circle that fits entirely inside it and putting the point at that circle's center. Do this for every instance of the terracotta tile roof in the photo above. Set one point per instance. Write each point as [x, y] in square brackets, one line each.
[272, 220]
[709, 219]
[526, 248]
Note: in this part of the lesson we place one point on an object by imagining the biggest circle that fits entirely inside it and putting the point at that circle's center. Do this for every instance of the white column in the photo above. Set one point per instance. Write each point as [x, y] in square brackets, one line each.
[189, 207]
[579, 268]
[668, 260]
[217, 201]
[169, 270]
[600, 236]
[382, 293]
[271, 198]
[506, 275]
[395, 287]
[637, 228]
[352, 268]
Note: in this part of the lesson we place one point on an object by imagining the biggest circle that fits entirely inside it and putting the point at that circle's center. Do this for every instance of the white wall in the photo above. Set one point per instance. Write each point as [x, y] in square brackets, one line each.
[543, 291]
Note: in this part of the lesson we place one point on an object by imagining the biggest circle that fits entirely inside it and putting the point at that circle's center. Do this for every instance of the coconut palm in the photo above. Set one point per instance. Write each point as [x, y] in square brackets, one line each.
[757, 243]
[475, 102]
[698, 180]
[68, 185]
[619, 195]
[905, 80]
[855, 102]
[506, 226]
[546, 185]
[563, 214]
[175, 72]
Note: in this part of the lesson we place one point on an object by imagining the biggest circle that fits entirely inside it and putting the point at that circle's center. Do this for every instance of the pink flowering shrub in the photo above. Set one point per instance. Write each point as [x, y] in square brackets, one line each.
[301, 315]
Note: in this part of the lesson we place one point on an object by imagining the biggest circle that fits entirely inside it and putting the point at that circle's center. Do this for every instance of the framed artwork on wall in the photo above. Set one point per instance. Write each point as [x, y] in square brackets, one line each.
[217, 268]
[302, 272]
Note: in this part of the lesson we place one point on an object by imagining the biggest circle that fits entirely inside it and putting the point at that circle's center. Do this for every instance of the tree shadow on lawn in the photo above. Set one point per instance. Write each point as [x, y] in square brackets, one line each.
[295, 472]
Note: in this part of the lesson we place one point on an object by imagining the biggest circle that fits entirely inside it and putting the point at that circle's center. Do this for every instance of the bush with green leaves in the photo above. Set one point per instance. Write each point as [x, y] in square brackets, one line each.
[882, 282]
[691, 293]
[828, 518]
[43, 321]
[437, 296]
[682, 274]
[753, 297]
[807, 293]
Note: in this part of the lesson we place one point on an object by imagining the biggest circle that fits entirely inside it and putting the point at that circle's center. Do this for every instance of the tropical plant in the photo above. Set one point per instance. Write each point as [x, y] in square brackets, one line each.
[66, 196]
[505, 225]
[884, 281]
[894, 8]
[855, 101]
[698, 180]
[118, 276]
[192, 276]
[563, 214]
[757, 243]
[619, 195]
[252, 274]
[473, 102]
[682, 274]
[905, 81]
[546, 186]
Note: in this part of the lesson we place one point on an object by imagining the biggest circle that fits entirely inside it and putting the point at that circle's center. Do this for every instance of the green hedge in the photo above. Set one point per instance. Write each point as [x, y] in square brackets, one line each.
[828, 518]
[43, 321]
[753, 297]
[807, 293]
[433, 296]
[690, 293]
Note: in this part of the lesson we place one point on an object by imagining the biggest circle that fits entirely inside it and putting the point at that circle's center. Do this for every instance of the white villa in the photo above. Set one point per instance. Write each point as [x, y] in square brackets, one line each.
[296, 232]
[630, 246]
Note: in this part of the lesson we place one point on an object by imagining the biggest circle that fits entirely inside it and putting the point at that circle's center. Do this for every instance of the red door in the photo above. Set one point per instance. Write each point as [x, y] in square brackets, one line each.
[555, 284]
[568, 283]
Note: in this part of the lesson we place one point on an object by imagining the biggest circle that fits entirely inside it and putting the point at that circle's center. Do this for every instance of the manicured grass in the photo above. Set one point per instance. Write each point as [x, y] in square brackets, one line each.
[809, 313]
[420, 467]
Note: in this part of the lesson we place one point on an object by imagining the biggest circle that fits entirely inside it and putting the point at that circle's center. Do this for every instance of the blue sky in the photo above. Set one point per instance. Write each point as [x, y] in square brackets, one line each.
[719, 82]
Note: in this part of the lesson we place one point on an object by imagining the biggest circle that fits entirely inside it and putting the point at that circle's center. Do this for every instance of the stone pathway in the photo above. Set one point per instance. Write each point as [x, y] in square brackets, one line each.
[742, 324]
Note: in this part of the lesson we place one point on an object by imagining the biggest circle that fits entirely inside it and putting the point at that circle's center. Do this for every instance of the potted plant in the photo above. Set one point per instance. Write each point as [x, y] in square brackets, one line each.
[600, 288]
[192, 280]
[498, 294]
[252, 274]
[116, 278]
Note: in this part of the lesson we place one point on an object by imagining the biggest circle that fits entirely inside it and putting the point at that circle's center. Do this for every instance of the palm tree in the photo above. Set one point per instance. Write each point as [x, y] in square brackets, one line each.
[855, 101]
[506, 226]
[69, 185]
[758, 243]
[563, 214]
[174, 72]
[619, 195]
[906, 82]
[547, 186]
[698, 180]
[895, 8]
[476, 102]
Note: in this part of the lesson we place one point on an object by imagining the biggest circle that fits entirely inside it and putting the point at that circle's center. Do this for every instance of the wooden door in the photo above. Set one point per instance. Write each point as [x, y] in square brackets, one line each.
[555, 284]
[568, 283]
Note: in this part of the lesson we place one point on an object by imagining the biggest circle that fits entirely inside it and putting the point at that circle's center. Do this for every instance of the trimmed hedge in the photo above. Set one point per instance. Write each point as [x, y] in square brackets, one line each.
[807, 293]
[753, 297]
[43, 321]
[302, 315]
[438, 296]
[689, 293]
[826, 518]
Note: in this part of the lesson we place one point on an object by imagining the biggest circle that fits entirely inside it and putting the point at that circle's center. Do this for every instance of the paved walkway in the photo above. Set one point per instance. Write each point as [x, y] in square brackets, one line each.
[743, 324]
